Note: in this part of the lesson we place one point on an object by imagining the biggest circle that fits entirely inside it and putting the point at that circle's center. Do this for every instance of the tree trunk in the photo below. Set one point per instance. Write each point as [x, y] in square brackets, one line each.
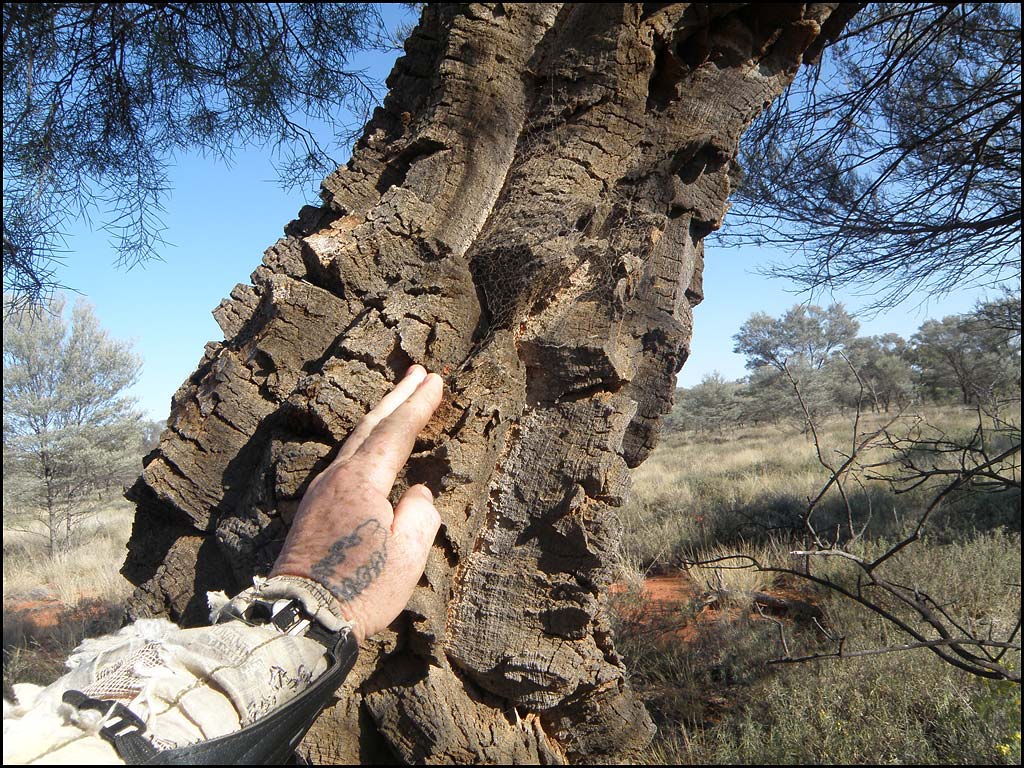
[52, 521]
[525, 216]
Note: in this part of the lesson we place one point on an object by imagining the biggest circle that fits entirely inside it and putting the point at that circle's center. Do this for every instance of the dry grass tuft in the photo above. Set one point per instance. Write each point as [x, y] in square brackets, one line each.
[733, 572]
[89, 571]
[51, 604]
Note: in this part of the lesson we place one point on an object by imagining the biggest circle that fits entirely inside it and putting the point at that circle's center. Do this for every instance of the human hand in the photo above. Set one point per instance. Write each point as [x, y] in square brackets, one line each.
[346, 536]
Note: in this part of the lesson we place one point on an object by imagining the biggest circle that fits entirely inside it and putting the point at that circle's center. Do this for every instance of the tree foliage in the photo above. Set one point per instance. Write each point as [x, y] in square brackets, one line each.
[895, 164]
[967, 356]
[796, 346]
[98, 98]
[806, 335]
[710, 406]
[70, 431]
[877, 367]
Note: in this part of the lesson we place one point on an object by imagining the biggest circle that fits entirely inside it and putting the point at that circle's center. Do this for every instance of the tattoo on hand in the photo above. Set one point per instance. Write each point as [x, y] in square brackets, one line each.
[369, 535]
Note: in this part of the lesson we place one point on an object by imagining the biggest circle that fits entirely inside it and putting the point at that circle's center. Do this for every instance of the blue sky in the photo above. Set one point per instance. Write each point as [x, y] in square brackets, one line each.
[221, 218]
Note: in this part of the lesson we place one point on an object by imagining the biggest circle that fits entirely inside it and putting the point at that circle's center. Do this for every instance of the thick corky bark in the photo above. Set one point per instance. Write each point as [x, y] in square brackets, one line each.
[524, 215]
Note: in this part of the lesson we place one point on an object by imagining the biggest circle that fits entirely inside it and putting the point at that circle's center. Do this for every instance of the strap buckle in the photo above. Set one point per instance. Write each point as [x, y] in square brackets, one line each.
[122, 728]
[289, 617]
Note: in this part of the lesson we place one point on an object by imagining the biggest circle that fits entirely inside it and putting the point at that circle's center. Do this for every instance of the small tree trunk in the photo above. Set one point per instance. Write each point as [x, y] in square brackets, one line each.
[54, 526]
[525, 215]
[52, 521]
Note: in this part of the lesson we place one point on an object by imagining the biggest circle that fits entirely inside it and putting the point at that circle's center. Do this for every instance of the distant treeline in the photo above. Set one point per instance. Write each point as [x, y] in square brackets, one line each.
[814, 355]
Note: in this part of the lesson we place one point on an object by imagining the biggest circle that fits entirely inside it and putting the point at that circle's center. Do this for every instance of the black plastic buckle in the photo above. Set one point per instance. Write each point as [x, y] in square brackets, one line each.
[123, 728]
[290, 618]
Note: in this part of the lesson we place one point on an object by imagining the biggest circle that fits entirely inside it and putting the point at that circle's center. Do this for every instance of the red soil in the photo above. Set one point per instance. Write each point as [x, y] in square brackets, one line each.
[41, 614]
[45, 616]
[673, 607]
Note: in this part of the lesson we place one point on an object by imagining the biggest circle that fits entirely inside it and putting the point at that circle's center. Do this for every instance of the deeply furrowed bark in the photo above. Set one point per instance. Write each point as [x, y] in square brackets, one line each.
[525, 215]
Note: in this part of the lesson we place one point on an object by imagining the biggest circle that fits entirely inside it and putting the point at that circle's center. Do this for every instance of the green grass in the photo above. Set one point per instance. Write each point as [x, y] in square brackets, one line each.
[715, 695]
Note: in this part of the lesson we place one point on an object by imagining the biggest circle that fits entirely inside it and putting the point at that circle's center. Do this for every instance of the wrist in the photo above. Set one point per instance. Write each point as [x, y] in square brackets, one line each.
[267, 601]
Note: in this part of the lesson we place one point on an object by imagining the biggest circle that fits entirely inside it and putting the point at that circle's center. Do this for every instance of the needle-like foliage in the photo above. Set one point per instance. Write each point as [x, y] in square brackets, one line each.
[895, 164]
[100, 97]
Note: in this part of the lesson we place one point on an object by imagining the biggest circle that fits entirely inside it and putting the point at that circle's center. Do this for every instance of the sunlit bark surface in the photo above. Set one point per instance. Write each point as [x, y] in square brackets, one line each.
[524, 215]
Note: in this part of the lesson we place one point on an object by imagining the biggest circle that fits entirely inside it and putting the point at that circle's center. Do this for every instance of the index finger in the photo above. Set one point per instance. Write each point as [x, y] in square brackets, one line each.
[398, 395]
[386, 449]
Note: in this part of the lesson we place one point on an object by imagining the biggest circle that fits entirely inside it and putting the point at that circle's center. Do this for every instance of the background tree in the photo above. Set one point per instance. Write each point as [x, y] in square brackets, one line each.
[876, 367]
[997, 321]
[710, 406]
[765, 397]
[977, 353]
[789, 356]
[806, 336]
[71, 435]
[968, 355]
[1000, 314]
[98, 97]
[895, 162]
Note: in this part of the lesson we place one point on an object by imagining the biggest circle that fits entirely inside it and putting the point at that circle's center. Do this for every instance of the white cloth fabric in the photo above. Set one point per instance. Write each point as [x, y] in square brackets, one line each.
[187, 685]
